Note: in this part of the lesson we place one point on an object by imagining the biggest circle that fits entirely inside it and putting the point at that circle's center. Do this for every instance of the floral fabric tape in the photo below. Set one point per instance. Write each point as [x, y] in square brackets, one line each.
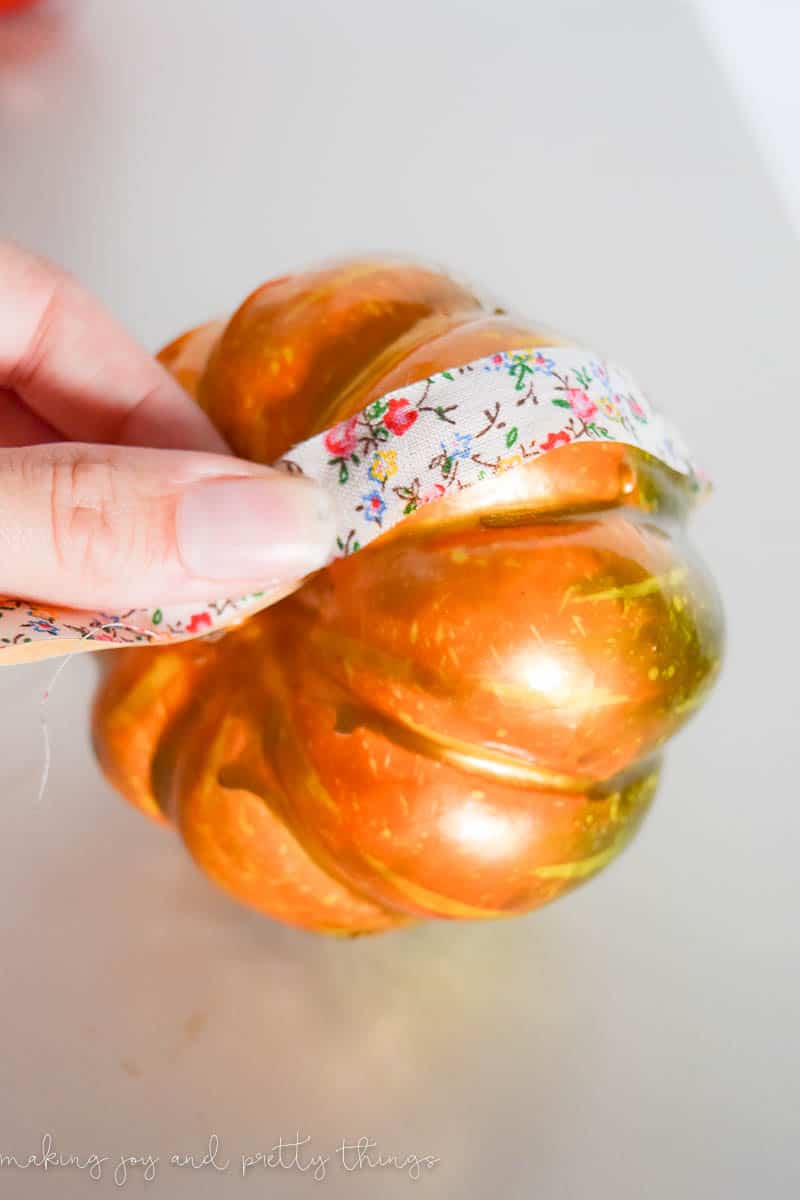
[412, 446]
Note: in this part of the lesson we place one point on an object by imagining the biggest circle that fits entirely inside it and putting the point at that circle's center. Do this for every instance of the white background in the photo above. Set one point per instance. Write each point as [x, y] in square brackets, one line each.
[617, 168]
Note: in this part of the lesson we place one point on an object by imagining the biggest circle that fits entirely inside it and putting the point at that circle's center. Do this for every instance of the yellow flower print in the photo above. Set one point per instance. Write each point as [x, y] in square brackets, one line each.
[384, 466]
[609, 407]
[511, 460]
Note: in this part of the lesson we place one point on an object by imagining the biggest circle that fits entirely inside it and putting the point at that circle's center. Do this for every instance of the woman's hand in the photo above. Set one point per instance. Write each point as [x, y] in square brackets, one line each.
[115, 489]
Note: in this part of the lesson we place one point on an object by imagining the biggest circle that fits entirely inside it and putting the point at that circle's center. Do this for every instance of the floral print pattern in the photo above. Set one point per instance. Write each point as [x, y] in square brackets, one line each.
[341, 440]
[406, 449]
[384, 466]
[471, 422]
[400, 416]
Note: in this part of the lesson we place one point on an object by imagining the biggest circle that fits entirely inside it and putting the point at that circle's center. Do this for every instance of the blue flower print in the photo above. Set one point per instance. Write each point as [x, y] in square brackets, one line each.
[374, 506]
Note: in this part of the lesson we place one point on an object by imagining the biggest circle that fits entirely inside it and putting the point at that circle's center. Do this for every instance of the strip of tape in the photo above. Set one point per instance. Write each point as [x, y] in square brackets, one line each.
[412, 446]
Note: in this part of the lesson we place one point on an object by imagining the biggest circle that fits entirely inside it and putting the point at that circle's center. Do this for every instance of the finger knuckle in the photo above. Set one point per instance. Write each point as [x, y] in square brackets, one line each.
[55, 291]
[92, 532]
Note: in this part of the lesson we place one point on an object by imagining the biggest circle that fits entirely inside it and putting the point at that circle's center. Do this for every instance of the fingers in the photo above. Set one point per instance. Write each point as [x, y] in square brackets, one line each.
[104, 527]
[19, 426]
[82, 374]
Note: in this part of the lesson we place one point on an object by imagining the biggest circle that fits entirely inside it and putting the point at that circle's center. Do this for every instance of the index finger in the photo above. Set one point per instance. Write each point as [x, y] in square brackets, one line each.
[81, 372]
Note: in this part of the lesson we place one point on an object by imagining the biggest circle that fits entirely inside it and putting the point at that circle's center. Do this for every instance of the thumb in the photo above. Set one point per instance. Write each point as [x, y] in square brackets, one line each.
[110, 527]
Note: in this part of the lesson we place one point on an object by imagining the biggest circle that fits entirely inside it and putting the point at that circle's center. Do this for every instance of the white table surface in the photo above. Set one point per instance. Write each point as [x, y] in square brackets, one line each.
[589, 163]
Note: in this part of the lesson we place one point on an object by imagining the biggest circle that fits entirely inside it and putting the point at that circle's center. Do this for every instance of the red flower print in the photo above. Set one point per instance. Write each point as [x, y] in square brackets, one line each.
[432, 493]
[555, 439]
[341, 440]
[635, 408]
[399, 419]
[582, 405]
[199, 621]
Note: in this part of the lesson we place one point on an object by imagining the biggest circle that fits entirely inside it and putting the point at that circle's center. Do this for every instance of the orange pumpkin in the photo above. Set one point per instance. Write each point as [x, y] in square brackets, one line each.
[462, 720]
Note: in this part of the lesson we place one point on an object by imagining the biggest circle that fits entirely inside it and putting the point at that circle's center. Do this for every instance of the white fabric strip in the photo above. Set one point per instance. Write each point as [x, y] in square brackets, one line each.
[473, 422]
[408, 448]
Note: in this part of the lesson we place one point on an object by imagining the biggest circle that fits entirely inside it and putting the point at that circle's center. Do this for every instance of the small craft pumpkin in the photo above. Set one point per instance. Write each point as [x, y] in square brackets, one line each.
[462, 720]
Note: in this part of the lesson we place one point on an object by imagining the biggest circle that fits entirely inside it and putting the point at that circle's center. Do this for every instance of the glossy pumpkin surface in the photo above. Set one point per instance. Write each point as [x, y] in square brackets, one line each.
[462, 720]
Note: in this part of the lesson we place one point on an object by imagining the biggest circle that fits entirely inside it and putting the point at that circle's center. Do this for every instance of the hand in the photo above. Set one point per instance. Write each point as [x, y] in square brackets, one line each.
[115, 489]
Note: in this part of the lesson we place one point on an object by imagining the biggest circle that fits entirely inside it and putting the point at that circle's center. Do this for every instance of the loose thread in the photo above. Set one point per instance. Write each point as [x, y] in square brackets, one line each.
[46, 694]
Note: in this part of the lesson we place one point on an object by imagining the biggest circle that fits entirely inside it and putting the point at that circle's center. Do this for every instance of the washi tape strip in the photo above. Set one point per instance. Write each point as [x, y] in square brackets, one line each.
[410, 447]
[471, 423]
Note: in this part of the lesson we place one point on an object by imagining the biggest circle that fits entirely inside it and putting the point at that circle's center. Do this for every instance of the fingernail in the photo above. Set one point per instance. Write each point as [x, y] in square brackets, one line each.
[269, 528]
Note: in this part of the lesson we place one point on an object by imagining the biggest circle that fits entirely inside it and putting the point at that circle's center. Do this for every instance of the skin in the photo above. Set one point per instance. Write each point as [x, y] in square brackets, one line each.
[99, 446]
[463, 720]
